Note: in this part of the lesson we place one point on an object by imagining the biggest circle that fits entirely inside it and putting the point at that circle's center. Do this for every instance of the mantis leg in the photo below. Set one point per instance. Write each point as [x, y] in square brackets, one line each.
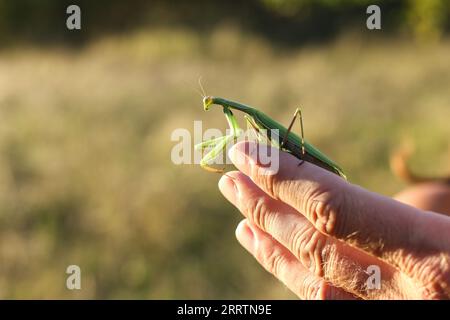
[220, 143]
[235, 130]
[297, 114]
[209, 143]
[213, 153]
[254, 126]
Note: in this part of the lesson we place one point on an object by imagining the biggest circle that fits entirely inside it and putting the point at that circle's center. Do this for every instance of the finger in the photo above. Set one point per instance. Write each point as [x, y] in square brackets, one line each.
[284, 266]
[323, 256]
[432, 196]
[388, 229]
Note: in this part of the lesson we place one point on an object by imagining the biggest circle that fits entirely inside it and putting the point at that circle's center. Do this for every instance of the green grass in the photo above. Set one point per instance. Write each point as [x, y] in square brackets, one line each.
[85, 170]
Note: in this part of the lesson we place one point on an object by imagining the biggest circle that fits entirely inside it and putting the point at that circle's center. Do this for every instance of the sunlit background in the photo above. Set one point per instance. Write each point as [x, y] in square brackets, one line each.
[86, 118]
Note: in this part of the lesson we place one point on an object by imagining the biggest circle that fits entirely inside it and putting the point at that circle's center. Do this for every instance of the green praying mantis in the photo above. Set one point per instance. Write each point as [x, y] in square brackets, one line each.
[277, 135]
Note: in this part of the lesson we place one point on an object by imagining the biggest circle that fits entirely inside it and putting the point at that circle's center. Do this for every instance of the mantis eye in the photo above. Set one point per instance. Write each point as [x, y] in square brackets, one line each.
[207, 101]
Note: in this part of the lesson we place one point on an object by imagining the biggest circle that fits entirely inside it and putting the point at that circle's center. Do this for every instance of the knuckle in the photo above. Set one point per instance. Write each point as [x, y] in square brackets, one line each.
[258, 211]
[310, 247]
[313, 288]
[325, 211]
[267, 182]
[271, 258]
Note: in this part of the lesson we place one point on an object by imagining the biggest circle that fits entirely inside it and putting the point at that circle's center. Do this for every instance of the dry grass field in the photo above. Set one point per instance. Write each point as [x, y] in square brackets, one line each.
[85, 171]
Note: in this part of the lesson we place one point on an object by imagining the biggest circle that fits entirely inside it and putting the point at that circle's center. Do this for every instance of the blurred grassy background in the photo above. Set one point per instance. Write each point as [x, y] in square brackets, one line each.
[85, 170]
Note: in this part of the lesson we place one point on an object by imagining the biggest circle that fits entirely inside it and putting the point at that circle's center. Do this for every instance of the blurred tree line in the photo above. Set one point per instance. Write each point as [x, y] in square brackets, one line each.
[286, 22]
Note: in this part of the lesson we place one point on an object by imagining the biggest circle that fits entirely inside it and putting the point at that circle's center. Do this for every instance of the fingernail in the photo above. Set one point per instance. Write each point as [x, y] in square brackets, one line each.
[245, 235]
[243, 154]
[247, 155]
[228, 187]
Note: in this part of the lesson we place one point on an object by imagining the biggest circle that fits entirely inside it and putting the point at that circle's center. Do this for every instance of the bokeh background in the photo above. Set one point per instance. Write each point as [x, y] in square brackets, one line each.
[86, 117]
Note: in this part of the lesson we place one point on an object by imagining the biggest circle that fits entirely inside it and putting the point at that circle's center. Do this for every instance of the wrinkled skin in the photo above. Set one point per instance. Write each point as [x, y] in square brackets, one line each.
[319, 234]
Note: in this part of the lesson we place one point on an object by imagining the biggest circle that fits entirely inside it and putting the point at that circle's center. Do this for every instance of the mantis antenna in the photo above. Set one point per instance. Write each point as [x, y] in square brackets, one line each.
[201, 86]
[200, 92]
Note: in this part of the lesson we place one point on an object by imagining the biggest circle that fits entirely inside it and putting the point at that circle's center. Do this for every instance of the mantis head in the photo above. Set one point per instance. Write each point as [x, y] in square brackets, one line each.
[207, 102]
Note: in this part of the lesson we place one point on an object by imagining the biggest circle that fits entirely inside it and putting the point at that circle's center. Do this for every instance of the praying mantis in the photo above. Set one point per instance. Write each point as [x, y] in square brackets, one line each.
[282, 138]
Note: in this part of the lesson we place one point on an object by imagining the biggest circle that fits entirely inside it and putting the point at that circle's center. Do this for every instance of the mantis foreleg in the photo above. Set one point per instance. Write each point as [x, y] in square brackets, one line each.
[219, 144]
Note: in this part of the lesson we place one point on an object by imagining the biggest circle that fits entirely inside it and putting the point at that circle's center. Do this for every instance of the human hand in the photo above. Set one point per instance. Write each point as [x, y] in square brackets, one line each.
[319, 234]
